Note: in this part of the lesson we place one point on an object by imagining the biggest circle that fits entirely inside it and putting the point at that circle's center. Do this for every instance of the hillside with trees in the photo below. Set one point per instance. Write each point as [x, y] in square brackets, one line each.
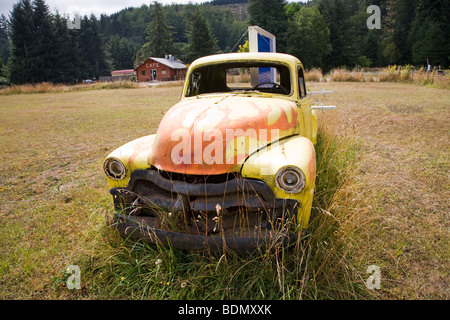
[323, 33]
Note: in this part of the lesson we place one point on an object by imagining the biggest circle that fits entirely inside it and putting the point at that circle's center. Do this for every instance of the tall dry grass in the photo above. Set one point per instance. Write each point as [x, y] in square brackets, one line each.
[47, 87]
[409, 74]
[314, 75]
[171, 84]
[402, 74]
[320, 266]
[42, 87]
[343, 75]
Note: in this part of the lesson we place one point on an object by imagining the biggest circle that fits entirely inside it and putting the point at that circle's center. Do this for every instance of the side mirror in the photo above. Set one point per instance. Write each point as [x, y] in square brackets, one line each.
[322, 107]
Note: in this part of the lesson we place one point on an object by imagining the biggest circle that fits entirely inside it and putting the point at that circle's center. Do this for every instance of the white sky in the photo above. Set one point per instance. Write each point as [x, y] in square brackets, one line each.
[86, 7]
[90, 6]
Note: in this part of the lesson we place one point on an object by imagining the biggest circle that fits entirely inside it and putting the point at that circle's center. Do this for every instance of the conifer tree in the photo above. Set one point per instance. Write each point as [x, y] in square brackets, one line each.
[22, 40]
[337, 15]
[42, 49]
[92, 54]
[430, 33]
[309, 37]
[120, 52]
[200, 36]
[4, 39]
[66, 61]
[159, 40]
[159, 33]
[271, 16]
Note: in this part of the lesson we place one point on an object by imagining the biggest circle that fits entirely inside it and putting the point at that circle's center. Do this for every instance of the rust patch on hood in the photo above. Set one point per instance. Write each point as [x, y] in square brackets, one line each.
[211, 135]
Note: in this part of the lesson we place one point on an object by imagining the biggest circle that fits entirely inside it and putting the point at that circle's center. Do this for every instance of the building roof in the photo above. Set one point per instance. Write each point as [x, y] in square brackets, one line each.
[171, 63]
[123, 71]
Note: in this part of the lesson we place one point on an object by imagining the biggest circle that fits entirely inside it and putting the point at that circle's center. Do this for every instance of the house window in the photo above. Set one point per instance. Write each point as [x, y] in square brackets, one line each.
[163, 71]
[143, 72]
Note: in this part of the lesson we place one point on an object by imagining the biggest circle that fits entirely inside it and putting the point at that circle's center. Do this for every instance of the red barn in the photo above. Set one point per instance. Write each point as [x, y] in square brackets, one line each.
[161, 69]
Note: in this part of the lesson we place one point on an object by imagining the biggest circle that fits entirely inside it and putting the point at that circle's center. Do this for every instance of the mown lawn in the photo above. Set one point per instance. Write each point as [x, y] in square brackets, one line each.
[382, 200]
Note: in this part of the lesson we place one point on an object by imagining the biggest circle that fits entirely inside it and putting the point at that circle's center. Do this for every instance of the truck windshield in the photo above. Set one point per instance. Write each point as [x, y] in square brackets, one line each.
[242, 76]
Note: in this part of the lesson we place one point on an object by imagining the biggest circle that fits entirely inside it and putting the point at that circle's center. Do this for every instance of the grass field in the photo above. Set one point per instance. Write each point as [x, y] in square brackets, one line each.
[382, 200]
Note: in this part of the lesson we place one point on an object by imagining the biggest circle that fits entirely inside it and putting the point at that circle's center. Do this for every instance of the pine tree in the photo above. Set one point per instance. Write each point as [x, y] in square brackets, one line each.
[120, 52]
[337, 15]
[200, 36]
[397, 28]
[92, 54]
[430, 33]
[271, 16]
[66, 62]
[159, 33]
[159, 40]
[309, 37]
[4, 39]
[364, 44]
[42, 48]
[22, 39]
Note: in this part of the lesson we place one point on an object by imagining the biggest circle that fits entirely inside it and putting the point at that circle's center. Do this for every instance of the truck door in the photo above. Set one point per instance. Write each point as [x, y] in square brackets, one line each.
[305, 105]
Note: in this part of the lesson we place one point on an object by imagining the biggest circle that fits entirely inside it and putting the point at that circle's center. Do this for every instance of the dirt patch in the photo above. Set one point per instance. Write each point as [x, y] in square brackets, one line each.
[406, 109]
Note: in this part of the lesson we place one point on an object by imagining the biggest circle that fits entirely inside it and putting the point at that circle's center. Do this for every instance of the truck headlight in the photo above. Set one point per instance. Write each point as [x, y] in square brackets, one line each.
[114, 169]
[290, 179]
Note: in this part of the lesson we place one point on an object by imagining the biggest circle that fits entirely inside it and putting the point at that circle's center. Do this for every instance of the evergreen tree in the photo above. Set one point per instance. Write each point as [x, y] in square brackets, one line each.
[271, 16]
[3, 74]
[121, 52]
[291, 9]
[158, 35]
[221, 21]
[404, 16]
[364, 49]
[176, 17]
[200, 35]
[337, 15]
[430, 33]
[66, 60]
[37, 46]
[396, 28]
[4, 39]
[22, 40]
[309, 37]
[42, 49]
[92, 54]
[159, 32]
[371, 48]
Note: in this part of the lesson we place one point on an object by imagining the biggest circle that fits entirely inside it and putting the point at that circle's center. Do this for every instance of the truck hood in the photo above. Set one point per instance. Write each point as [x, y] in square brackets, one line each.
[215, 134]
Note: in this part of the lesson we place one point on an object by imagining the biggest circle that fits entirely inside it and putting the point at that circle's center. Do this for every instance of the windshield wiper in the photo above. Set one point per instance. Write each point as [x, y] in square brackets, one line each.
[253, 92]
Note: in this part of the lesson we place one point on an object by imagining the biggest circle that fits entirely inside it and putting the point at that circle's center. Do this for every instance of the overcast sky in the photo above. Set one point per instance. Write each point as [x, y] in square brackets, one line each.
[86, 7]
[90, 6]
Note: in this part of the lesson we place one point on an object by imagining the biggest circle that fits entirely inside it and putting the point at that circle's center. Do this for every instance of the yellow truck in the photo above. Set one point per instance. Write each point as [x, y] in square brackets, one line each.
[231, 164]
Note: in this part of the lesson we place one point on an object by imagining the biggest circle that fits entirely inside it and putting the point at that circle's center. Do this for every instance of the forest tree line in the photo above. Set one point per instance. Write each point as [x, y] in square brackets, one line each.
[36, 45]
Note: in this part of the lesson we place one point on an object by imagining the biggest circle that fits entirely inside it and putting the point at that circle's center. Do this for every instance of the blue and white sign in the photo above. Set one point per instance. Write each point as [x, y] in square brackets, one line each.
[262, 41]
